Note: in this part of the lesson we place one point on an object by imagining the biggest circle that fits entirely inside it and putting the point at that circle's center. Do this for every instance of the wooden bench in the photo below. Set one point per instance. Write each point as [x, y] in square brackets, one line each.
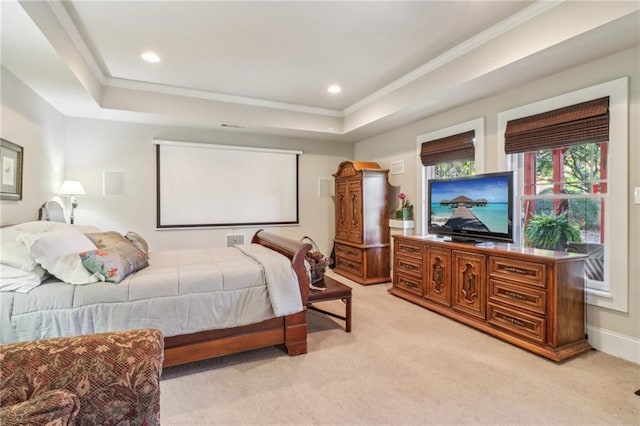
[334, 290]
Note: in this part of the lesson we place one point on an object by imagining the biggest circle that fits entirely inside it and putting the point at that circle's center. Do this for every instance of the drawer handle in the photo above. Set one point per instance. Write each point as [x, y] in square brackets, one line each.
[517, 270]
[409, 283]
[351, 265]
[514, 295]
[408, 266]
[410, 249]
[514, 321]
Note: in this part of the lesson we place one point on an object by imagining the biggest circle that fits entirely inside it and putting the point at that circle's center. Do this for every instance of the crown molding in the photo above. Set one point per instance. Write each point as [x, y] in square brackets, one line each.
[519, 18]
[218, 97]
[536, 9]
[70, 28]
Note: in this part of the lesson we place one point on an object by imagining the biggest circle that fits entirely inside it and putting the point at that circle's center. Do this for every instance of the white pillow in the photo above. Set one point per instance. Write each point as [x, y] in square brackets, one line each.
[15, 279]
[36, 227]
[41, 226]
[13, 252]
[58, 253]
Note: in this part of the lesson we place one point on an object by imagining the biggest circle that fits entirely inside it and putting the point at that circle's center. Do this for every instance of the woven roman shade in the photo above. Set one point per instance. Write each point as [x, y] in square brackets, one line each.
[452, 148]
[587, 122]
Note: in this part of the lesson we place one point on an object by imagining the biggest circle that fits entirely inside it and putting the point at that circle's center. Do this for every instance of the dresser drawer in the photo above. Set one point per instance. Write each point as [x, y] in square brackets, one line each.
[408, 283]
[409, 249]
[522, 297]
[523, 272]
[349, 265]
[516, 322]
[349, 252]
[408, 265]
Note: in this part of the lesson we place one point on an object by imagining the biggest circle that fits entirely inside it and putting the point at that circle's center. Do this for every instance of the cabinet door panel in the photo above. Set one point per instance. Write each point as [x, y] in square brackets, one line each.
[342, 209]
[469, 284]
[438, 273]
[354, 201]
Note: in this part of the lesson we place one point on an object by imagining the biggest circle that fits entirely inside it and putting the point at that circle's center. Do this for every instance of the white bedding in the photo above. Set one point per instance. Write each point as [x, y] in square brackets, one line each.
[180, 292]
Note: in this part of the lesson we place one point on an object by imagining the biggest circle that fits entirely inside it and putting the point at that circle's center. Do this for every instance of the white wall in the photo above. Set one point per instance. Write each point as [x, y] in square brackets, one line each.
[27, 120]
[611, 331]
[93, 146]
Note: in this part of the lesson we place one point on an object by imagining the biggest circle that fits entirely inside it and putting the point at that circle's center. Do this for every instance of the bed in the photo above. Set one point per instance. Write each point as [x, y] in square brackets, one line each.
[207, 302]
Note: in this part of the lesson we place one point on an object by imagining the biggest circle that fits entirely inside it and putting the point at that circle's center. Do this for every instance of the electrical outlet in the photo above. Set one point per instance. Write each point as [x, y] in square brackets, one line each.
[236, 239]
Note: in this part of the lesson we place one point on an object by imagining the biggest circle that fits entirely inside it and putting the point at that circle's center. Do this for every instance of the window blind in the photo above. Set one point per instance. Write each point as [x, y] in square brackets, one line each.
[451, 148]
[586, 122]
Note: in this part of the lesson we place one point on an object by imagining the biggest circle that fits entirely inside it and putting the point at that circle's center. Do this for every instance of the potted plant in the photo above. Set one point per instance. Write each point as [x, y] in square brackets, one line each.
[552, 232]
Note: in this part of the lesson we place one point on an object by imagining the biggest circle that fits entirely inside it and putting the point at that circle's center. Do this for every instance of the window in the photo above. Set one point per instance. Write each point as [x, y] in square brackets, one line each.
[569, 181]
[451, 152]
[451, 169]
[583, 178]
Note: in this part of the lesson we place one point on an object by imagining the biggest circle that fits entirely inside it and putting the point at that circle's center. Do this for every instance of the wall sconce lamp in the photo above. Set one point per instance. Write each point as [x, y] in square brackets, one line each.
[72, 188]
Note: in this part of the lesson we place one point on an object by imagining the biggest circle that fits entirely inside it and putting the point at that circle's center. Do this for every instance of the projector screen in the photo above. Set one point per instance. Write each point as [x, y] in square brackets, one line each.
[205, 185]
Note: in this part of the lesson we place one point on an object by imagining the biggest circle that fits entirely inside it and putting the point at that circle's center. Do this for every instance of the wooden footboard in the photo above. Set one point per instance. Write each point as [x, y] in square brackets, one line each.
[290, 330]
[294, 250]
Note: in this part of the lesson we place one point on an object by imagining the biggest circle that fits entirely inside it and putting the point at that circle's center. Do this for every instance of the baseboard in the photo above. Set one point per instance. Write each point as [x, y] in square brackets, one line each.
[615, 344]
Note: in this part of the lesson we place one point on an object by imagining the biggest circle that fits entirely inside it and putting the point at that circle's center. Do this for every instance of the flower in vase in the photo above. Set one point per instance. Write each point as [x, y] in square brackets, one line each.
[405, 210]
[404, 201]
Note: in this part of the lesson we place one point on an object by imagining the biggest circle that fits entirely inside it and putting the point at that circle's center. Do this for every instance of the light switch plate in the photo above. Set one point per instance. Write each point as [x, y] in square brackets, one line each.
[636, 195]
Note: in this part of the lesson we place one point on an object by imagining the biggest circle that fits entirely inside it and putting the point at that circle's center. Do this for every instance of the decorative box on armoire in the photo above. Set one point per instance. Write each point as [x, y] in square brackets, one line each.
[362, 242]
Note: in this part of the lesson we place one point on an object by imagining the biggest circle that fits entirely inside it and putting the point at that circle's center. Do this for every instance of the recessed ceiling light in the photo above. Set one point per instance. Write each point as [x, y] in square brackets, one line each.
[150, 57]
[334, 88]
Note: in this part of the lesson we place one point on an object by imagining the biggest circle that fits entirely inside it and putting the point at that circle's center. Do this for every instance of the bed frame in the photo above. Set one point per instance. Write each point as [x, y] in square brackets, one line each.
[290, 330]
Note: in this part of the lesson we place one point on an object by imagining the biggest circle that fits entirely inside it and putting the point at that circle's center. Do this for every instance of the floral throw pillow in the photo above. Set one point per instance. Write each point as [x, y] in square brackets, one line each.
[107, 239]
[137, 240]
[116, 262]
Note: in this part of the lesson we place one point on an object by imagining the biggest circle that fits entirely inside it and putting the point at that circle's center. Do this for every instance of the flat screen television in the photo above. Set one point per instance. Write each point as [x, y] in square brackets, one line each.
[473, 208]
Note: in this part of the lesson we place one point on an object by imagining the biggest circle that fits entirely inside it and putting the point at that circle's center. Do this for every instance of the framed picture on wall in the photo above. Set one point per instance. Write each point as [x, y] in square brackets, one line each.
[11, 176]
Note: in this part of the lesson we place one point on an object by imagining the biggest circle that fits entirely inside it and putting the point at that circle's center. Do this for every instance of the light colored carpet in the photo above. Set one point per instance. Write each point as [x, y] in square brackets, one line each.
[400, 365]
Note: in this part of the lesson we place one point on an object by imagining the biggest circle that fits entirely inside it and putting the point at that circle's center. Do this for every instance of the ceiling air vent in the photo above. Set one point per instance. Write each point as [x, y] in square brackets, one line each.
[233, 126]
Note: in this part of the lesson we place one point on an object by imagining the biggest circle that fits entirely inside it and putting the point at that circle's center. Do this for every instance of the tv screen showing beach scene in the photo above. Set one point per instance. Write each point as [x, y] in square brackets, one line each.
[477, 206]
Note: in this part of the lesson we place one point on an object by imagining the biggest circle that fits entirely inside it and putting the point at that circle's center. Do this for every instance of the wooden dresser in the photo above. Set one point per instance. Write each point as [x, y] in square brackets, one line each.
[362, 243]
[528, 297]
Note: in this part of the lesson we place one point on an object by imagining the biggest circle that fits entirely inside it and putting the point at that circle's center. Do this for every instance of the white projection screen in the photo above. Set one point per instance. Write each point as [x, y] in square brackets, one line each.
[206, 185]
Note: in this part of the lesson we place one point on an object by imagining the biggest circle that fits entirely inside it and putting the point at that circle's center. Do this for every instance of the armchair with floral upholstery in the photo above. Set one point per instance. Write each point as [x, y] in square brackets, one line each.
[96, 379]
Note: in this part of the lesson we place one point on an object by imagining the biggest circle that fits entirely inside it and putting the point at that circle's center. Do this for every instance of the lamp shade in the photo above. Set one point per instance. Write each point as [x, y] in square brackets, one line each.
[71, 187]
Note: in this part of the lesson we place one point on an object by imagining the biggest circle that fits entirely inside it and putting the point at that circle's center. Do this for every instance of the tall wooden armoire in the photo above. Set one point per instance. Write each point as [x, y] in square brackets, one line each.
[362, 242]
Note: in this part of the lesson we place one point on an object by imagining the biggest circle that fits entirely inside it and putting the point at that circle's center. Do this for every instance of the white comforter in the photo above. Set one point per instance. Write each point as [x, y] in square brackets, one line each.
[180, 292]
